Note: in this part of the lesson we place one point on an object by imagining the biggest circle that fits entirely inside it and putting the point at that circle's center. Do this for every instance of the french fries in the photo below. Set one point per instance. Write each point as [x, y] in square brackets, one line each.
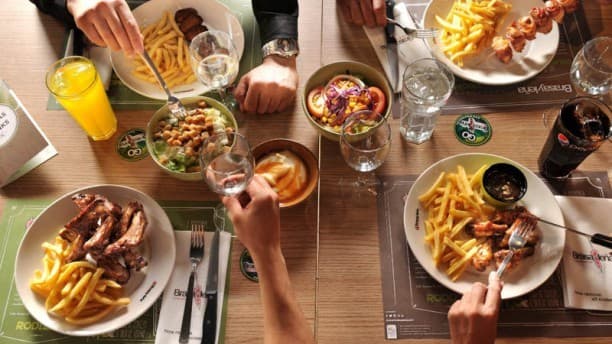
[75, 291]
[451, 202]
[166, 45]
[470, 27]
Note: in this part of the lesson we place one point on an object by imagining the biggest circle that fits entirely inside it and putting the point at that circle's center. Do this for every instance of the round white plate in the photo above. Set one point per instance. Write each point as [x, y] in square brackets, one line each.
[532, 272]
[216, 16]
[143, 288]
[486, 68]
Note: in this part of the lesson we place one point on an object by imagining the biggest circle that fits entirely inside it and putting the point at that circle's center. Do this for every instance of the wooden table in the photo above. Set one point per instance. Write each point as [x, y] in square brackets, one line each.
[331, 248]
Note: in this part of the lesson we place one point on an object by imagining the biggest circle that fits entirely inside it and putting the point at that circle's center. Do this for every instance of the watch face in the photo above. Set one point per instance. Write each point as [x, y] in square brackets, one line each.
[284, 45]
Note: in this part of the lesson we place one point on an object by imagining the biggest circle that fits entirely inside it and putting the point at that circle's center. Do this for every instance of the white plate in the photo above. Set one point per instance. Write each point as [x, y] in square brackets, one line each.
[485, 68]
[143, 288]
[216, 16]
[534, 271]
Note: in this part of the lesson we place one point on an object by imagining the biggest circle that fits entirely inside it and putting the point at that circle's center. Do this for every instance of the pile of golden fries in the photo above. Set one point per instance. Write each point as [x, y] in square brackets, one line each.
[470, 27]
[75, 291]
[453, 201]
[166, 45]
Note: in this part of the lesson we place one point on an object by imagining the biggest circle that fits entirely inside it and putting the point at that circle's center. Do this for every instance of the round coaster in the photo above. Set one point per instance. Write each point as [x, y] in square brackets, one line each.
[247, 266]
[132, 146]
[473, 129]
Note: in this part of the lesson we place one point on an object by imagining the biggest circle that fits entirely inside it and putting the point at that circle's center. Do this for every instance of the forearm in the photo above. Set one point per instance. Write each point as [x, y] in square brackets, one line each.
[55, 8]
[284, 321]
[276, 19]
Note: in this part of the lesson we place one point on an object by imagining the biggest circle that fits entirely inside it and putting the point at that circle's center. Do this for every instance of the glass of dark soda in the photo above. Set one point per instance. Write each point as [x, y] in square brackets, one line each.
[583, 124]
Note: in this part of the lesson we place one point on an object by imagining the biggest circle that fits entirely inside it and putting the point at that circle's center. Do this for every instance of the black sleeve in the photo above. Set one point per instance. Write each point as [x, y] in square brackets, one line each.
[56, 8]
[276, 19]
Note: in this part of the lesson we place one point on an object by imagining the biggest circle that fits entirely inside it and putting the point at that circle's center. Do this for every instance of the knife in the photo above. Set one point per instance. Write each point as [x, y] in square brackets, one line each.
[209, 326]
[392, 57]
[597, 238]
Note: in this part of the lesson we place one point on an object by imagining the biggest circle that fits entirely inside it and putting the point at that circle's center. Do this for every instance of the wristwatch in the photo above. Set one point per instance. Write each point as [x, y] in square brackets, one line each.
[285, 47]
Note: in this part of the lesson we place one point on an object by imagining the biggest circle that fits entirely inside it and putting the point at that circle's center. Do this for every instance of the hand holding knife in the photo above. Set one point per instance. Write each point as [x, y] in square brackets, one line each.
[209, 326]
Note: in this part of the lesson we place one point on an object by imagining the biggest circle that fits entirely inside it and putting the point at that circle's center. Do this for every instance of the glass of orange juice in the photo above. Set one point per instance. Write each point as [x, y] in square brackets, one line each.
[76, 85]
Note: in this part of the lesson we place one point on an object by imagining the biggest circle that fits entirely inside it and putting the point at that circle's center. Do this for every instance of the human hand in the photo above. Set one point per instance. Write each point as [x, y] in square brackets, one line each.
[364, 12]
[107, 23]
[270, 87]
[257, 224]
[473, 318]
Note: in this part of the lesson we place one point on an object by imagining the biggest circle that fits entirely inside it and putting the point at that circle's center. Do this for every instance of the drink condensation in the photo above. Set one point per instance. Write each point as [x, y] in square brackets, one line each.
[423, 94]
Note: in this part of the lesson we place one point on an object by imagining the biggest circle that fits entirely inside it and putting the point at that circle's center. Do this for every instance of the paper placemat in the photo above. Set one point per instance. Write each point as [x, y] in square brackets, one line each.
[415, 305]
[122, 98]
[552, 86]
[16, 324]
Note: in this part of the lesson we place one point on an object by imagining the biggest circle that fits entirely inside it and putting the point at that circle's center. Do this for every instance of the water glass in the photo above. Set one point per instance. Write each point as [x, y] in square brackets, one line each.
[427, 85]
[76, 84]
[591, 70]
[581, 127]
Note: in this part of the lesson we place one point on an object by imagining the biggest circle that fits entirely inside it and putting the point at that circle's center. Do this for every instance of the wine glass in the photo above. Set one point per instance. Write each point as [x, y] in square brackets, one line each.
[215, 62]
[591, 70]
[365, 140]
[227, 166]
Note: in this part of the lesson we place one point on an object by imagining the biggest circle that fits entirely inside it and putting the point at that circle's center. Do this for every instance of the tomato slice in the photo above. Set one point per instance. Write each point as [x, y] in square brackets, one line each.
[316, 102]
[378, 99]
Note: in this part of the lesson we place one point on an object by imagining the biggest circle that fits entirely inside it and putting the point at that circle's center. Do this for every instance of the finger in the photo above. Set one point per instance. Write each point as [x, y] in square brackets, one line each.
[493, 298]
[355, 10]
[107, 35]
[131, 27]
[114, 23]
[476, 295]
[92, 34]
[232, 204]
[367, 12]
[380, 12]
[286, 102]
[250, 100]
[263, 104]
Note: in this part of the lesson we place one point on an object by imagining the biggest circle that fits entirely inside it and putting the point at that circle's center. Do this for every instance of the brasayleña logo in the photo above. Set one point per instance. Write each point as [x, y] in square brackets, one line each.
[593, 257]
[567, 88]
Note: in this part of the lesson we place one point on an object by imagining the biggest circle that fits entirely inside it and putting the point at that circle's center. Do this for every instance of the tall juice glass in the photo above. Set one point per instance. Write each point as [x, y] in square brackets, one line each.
[76, 85]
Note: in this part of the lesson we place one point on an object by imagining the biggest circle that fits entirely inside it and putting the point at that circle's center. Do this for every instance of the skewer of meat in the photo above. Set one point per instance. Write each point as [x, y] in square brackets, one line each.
[542, 20]
[569, 6]
[554, 10]
[516, 37]
[527, 26]
[502, 49]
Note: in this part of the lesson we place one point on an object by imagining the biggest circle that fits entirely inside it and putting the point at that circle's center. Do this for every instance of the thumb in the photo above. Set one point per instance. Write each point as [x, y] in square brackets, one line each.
[241, 89]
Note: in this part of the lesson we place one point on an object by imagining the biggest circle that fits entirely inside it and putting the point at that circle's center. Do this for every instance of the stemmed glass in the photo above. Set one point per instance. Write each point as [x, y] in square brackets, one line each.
[215, 62]
[365, 141]
[227, 165]
[591, 70]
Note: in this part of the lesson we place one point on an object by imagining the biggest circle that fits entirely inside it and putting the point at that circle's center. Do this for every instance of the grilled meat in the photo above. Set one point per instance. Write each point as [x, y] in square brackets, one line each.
[554, 10]
[516, 258]
[132, 238]
[102, 235]
[189, 22]
[113, 269]
[502, 49]
[483, 256]
[134, 260]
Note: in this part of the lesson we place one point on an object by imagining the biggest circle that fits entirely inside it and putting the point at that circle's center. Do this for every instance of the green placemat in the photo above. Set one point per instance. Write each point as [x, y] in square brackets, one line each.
[16, 324]
[122, 98]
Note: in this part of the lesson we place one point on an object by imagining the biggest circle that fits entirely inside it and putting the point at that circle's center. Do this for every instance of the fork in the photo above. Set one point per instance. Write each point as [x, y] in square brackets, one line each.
[414, 33]
[196, 252]
[174, 104]
[523, 226]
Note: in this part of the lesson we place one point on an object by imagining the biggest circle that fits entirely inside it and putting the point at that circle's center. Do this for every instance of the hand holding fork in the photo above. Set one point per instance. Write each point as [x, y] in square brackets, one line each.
[196, 252]
[522, 227]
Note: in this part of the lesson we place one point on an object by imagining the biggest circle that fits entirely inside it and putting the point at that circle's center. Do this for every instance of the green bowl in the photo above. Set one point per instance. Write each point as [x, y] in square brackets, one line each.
[320, 78]
[189, 103]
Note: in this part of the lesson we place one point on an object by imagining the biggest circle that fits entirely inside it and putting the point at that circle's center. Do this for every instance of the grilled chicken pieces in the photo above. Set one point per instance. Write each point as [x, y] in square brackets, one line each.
[524, 29]
[109, 234]
[497, 231]
[189, 22]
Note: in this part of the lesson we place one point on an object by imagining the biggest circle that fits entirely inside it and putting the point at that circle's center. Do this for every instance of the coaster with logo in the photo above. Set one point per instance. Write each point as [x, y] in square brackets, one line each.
[473, 129]
[247, 266]
[132, 146]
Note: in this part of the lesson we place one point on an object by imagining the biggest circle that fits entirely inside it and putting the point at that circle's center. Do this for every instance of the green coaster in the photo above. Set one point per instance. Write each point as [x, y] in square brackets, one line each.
[132, 146]
[473, 129]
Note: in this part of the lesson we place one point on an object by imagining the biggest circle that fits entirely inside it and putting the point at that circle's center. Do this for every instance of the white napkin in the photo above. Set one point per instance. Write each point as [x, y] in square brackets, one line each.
[173, 299]
[587, 283]
[407, 52]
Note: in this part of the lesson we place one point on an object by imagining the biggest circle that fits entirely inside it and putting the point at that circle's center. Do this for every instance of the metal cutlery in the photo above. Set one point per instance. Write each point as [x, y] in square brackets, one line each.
[209, 326]
[391, 46]
[596, 238]
[174, 104]
[522, 228]
[414, 33]
[196, 252]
